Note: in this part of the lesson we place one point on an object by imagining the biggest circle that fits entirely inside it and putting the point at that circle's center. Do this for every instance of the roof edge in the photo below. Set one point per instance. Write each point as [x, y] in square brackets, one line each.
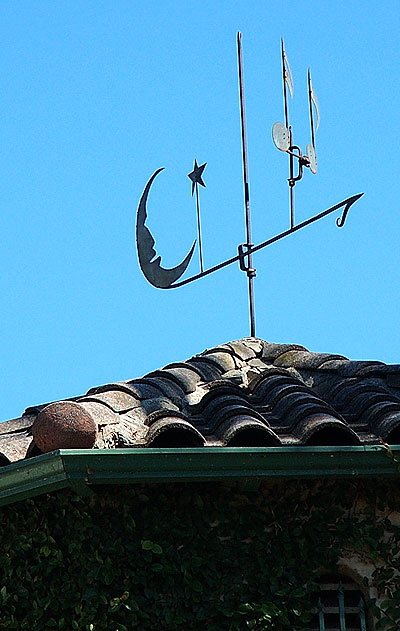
[35, 476]
[86, 468]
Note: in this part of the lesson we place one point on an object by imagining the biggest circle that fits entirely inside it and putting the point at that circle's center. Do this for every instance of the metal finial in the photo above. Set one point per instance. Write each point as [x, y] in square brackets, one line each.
[196, 178]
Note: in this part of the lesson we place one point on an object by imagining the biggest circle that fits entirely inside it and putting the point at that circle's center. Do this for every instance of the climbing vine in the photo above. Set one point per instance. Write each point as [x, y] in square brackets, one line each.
[190, 557]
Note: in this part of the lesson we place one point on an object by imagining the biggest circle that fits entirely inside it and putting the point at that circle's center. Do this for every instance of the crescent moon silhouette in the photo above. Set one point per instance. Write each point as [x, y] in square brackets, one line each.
[157, 275]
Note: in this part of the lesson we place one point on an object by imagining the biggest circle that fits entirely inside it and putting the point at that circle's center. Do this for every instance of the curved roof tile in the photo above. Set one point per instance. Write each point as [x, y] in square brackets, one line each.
[249, 392]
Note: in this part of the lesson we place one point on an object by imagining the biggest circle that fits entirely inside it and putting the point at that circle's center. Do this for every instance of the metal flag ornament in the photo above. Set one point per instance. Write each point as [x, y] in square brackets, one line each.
[282, 134]
[312, 101]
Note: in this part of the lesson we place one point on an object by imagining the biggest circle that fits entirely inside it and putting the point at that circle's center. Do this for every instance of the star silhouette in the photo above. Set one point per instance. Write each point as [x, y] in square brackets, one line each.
[196, 174]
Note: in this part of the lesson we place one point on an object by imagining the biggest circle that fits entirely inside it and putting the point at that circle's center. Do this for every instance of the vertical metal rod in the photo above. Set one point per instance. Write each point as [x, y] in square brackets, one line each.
[342, 613]
[250, 271]
[199, 228]
[362, 615]
[291, 183]
[287, 124]
[311, 110]
[321, 615]
[288, 127]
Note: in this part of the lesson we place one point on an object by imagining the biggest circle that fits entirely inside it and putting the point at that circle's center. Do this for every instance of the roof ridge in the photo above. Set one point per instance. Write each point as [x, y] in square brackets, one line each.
[240, 390]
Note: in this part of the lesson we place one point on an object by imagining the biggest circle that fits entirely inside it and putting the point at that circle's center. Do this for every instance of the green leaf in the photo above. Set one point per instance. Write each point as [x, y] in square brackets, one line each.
[147, 545]
[299, 592]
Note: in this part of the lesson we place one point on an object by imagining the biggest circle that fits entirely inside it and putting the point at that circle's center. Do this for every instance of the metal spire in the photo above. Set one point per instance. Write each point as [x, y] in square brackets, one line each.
[248, 265]
[287, 83]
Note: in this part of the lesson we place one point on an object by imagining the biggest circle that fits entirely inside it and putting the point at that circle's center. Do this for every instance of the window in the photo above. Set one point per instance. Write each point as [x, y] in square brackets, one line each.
[339, 606]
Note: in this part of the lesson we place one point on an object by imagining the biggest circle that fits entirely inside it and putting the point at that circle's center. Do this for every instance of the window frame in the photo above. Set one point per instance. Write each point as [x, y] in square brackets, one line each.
[340, 584]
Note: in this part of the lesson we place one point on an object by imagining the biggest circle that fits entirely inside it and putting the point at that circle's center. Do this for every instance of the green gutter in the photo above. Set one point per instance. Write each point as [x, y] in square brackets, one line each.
[86, 468]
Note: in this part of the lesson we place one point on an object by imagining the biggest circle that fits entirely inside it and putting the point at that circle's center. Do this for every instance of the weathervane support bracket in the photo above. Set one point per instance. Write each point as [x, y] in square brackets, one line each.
[302, 161]
[243, 253]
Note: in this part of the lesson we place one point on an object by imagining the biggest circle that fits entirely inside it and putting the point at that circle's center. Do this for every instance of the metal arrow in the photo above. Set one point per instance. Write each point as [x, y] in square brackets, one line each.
[167, 278]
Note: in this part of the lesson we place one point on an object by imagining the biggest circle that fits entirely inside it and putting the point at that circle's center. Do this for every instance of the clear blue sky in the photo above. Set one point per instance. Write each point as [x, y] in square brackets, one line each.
[95, 96]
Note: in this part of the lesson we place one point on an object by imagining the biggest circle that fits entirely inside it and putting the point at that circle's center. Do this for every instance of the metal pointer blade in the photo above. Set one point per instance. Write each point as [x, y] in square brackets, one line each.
[345, 204]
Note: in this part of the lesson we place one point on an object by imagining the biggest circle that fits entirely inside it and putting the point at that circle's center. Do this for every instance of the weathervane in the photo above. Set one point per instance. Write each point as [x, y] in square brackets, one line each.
[282, 134]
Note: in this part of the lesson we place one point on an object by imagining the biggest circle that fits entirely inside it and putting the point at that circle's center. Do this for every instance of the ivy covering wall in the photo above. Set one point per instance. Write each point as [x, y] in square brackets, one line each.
[192, 556]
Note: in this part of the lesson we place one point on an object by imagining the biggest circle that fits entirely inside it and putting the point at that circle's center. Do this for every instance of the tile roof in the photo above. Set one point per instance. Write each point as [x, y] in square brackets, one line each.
[248, 393]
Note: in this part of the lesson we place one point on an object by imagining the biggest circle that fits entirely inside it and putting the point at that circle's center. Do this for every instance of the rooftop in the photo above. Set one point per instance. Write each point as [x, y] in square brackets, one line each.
[247, 393]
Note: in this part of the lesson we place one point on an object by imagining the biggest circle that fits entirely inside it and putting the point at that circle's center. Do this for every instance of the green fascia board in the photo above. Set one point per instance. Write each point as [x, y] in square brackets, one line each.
[82, 469]
[27, 478]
